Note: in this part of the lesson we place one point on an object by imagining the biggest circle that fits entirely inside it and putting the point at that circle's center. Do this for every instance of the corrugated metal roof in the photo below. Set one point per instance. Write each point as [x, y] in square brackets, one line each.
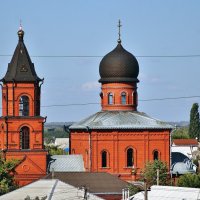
[120, 120]
[53, 189]
[66, 163]
[169, 192]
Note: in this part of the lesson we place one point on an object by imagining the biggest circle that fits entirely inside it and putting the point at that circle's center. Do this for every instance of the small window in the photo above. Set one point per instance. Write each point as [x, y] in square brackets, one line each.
[24, 106]
[73, 151]
[155, 155]
[135, 97]
[123, 98]
[104, 159]
[110, 98]
[130, 160]
[24, 138]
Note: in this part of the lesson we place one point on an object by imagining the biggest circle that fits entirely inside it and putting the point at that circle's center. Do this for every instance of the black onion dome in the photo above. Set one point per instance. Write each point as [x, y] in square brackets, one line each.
[119, 66]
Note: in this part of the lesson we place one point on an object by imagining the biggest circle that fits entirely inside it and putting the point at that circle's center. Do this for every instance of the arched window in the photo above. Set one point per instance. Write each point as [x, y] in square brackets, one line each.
[104, 159]
[24, 138]
[123, 98]
[155, 155]
[86, 159]
[135, 98]
[24, 106]
[130, 160]
[73, 151]
[110, 98]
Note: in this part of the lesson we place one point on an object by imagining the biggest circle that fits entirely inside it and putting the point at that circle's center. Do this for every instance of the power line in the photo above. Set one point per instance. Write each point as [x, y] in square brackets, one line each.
[96, 56]
[145, 100]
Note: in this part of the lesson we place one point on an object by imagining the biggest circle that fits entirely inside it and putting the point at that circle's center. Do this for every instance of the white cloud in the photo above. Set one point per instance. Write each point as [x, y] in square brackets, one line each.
[149, 79]
[90, 85]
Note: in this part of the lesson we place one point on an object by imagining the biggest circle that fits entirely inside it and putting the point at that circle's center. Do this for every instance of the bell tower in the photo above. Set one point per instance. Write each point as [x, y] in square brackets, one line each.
[21, 126]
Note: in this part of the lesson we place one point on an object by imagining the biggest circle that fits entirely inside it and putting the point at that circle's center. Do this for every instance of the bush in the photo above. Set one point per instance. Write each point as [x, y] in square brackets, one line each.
[189, 180]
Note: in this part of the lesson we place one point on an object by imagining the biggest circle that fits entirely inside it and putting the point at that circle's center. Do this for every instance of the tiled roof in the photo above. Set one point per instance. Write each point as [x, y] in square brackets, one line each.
[185, 142]
[52, 189]
[97, 182]
[66, 163]
[120, 120]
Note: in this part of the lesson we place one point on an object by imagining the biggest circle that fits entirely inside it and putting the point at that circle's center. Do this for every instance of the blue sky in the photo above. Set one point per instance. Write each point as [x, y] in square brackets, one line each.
[77, 27]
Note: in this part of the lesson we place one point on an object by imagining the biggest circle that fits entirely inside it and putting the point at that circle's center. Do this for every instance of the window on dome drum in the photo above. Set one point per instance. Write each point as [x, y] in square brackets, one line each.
[155, 155]
[130, 160]
[24, 106]
[110, 98]
[104, 159]
[24, 138]
[123, 98]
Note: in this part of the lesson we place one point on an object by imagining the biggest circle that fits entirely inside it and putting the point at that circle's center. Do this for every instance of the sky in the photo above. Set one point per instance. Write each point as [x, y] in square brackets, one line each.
[89, 28]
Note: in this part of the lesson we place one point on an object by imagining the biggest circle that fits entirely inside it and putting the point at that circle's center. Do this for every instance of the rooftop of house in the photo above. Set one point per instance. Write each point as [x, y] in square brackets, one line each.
[66, 163]
[96, 182]
[52, 189]
[169, 192]
[185, 142]
[120, 120]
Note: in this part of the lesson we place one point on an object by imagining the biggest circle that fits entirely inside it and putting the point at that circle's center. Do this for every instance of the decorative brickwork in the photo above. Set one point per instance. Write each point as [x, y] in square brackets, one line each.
[119, 139]
[21, 126]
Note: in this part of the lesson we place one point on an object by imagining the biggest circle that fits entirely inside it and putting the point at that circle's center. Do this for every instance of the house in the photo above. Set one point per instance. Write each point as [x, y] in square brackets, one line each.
[168, 193]
[62, 143]
[101, 184]
[119, 139]
[53, 189]
[185, 146]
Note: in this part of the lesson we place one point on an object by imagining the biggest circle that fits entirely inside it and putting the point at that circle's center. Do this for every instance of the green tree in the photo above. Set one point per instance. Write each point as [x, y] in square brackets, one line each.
[133, 189]
[194, 128]
[180, 133]
[6, 178]
[189, 180]
[55, 150]
[150, 173]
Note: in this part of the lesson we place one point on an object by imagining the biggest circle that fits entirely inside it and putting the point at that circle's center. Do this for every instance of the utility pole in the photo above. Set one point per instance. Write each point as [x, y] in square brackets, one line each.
[85, 193]
[157, 174]
[145, 190]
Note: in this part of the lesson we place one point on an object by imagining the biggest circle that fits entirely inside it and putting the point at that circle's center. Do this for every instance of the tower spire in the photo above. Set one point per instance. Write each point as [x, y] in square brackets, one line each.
[20, 31]
[119, 31]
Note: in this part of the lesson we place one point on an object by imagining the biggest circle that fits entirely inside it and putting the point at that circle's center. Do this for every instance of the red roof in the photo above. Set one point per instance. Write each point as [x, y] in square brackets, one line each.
[185, 142]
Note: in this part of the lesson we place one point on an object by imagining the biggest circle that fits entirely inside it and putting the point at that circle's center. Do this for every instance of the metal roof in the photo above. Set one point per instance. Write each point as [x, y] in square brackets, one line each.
[66, 163]
[54, 189]
[169, 192]
[119, 66]
[120, 120]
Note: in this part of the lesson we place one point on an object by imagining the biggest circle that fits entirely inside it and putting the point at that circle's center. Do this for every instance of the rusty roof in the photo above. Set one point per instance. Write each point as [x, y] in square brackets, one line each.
[185, 142]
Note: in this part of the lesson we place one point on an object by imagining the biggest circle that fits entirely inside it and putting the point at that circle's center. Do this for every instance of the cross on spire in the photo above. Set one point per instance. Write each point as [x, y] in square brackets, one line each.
[20, 25]
[119, 32]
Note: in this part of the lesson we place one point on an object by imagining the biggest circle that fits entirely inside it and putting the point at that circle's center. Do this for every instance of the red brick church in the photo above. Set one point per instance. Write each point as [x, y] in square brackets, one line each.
[119, 139]
[21, 126]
